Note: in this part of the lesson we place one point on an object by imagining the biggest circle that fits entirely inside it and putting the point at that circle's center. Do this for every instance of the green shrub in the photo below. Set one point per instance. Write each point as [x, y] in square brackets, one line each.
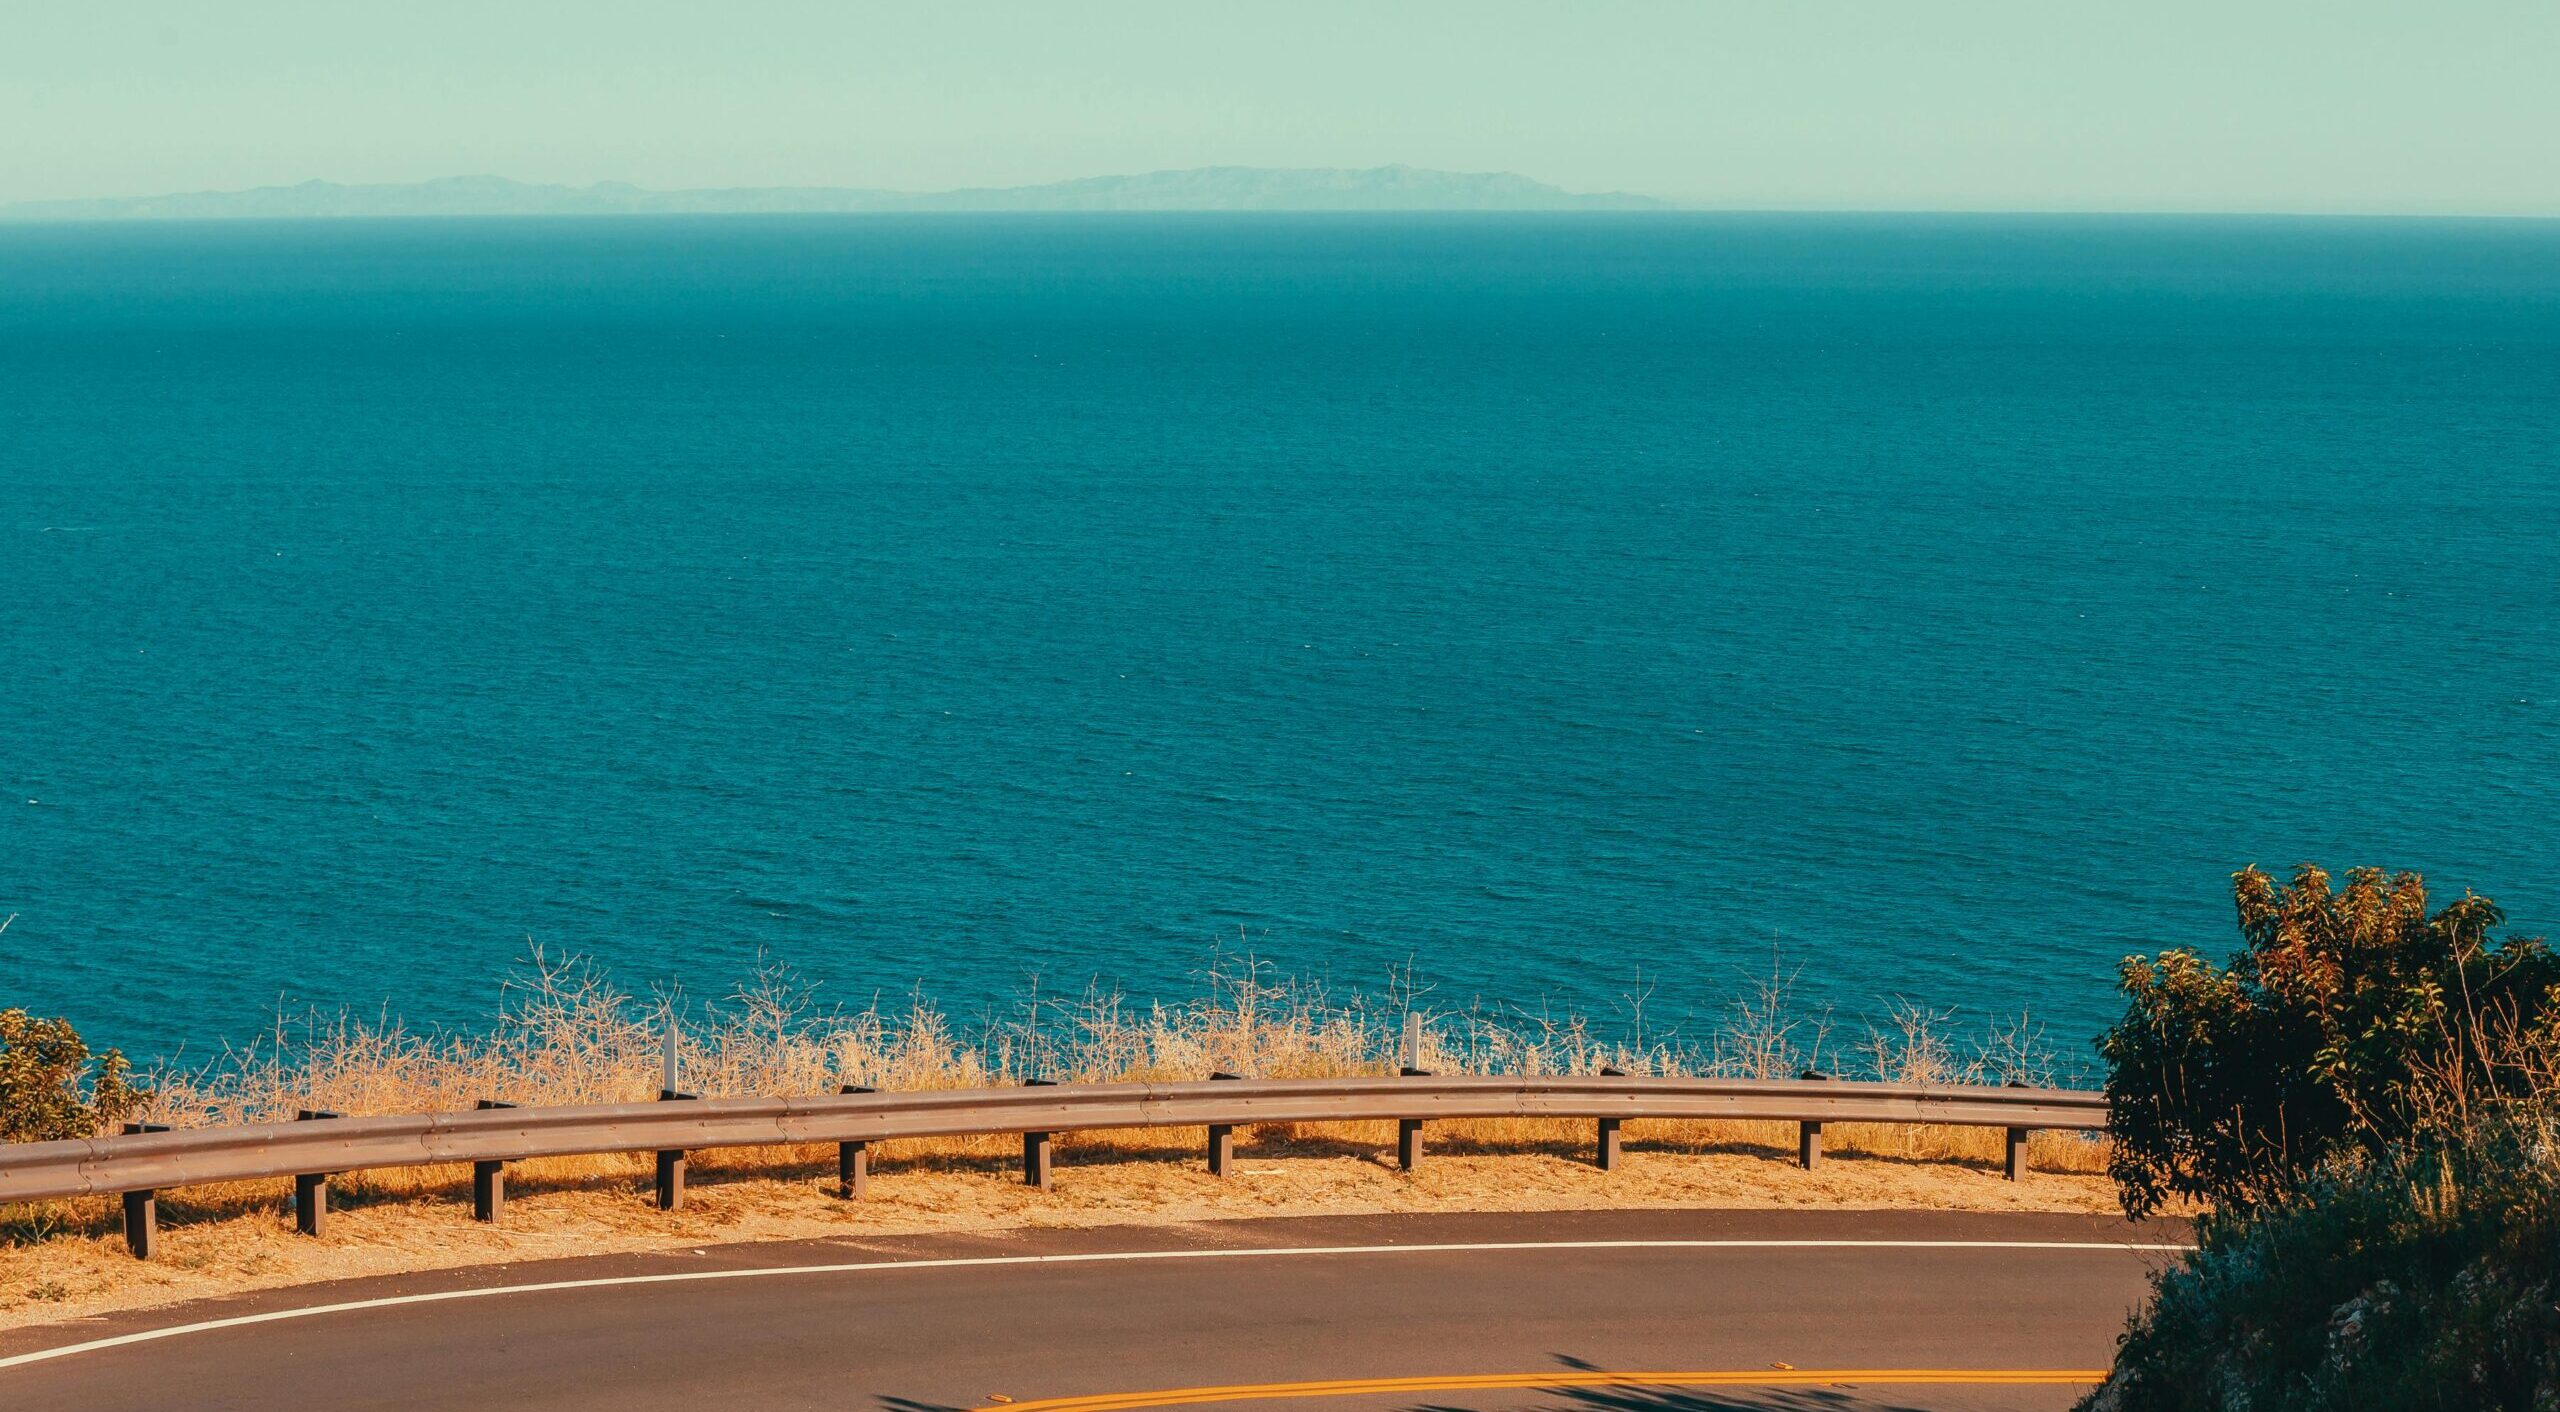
[2367, 1094]
[2352, 1021]
[46, 1091]
[2401, 1283]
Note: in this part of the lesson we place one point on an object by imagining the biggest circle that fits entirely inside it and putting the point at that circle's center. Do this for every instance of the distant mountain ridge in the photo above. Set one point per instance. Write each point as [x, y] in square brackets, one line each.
[1396, 188]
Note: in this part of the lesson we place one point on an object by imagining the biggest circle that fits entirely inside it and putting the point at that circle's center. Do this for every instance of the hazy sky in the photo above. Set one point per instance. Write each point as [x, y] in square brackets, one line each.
[2324, 105]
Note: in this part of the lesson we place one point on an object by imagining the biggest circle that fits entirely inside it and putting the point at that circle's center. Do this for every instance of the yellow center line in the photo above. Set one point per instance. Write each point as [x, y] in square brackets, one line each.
[1757, 1377]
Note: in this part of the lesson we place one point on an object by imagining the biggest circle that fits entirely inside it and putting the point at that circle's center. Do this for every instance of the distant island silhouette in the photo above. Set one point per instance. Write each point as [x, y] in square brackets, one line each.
[1395, 188]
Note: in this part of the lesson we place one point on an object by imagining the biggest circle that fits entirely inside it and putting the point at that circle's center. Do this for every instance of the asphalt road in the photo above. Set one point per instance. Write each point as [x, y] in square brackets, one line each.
[1506, 1312]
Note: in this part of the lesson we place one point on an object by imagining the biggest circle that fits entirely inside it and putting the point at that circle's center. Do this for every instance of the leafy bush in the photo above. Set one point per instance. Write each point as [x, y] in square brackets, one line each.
[2402, 1283]
[2353, 1021]
[46, 1091]
[2368, 1093]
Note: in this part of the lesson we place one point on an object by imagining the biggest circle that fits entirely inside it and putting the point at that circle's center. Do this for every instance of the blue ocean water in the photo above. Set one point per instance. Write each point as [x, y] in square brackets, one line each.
[1564, 608]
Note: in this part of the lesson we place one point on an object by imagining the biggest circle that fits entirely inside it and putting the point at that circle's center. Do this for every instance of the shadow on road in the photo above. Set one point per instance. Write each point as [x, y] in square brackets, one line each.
[1617, 1399]
[1636, 1399]
[1670, 1399]
[1599, 1399]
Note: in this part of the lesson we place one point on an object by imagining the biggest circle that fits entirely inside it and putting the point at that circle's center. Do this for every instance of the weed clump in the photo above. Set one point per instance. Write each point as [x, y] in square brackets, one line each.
[47, 1090]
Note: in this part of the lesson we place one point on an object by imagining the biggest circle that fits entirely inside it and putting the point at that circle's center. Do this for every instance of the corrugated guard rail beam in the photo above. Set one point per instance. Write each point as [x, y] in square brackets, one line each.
[153, 1161]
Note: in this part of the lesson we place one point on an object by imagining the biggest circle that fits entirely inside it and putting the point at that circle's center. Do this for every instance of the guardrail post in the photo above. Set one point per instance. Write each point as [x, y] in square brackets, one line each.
[489, 1179]
[1607, 1147]
[1222, 1137]
[2018, 1145]
[142, 1223]
[311, 1189]
[142, 1208]
[671, 1162]
[1809, 1133]
[1036, 1147]
[853, 1159]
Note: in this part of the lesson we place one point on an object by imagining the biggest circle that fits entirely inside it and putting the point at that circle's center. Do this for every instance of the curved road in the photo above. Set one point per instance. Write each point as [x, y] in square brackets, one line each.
[1793, 1310]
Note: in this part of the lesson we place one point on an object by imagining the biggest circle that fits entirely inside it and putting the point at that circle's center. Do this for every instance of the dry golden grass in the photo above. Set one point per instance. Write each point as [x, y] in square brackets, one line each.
[565, 1035]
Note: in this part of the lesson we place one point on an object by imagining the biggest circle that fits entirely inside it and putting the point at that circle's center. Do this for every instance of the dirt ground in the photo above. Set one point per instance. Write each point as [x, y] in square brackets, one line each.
[63, 1262]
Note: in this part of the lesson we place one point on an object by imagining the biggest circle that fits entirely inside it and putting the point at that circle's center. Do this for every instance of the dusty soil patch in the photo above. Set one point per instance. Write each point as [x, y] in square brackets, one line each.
[67, 1260]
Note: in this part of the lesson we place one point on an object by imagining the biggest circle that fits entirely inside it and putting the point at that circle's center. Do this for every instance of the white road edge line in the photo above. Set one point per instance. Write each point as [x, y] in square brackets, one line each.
[1090, 1258]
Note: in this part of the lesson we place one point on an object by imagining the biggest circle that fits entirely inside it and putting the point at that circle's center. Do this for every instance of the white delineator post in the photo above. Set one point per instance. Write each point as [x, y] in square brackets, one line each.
[670, 1161]
[1409, 1130]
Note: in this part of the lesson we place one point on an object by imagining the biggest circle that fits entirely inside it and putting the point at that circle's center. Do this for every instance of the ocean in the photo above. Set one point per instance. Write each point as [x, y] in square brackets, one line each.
[1560, 613]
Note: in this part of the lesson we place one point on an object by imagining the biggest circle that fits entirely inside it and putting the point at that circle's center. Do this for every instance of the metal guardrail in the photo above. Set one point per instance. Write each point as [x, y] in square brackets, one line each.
[139, 1163]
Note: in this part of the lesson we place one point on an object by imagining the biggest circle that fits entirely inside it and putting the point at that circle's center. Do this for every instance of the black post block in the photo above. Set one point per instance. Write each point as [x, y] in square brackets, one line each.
[311, 1189]
[142, 1223]
[489, 1179]
[672, 1162]
[853, 1159]
[142, 1208]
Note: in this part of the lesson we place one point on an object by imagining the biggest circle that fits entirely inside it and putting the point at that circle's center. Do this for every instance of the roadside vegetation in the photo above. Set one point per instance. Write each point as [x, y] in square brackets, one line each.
[2368, 1097]
[564, 1033]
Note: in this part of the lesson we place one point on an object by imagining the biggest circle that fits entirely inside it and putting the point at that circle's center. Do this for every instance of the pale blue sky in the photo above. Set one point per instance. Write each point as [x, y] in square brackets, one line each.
[2343, 105]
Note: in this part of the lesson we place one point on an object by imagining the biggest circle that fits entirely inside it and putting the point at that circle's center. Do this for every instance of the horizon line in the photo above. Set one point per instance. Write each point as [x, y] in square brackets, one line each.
[1532, 197]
